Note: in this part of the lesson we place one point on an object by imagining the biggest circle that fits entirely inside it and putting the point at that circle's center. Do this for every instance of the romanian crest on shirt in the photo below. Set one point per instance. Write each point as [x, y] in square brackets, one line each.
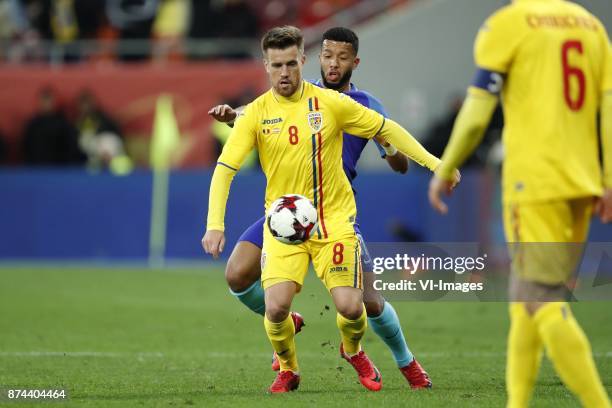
[315, 121]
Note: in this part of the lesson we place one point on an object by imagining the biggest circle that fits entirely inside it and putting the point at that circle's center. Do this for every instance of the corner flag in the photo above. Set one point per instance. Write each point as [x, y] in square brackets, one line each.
[165, 141]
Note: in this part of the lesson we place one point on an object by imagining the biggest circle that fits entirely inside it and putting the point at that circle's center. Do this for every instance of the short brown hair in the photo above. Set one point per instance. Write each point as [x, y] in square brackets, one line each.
[282, 37]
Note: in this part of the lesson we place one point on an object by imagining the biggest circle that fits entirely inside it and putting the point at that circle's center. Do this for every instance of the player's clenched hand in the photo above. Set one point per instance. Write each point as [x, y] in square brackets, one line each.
[213, 242]
[603, 206]
[223, 113]
[437, 186]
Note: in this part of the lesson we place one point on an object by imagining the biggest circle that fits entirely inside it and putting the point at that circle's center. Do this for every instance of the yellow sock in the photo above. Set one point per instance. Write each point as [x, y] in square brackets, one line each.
[351, 332]
[282, 336]
[569, 349]
[524, 356]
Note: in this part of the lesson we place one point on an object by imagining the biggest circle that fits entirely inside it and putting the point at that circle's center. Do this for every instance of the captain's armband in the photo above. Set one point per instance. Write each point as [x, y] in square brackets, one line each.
[490, 81]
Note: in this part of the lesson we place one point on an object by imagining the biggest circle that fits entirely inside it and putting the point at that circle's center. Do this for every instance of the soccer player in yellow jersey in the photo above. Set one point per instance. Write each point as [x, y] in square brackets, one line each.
[338, 59]
[552, 64]
[297, 128]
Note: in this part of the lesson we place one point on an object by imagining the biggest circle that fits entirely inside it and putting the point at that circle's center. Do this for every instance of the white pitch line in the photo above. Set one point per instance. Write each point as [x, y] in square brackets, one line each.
[229, 355]
[78, 354]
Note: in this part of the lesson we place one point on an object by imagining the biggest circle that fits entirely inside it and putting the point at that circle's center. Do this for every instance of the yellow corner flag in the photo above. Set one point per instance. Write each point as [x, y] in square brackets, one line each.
[166, 135]
[164, 143]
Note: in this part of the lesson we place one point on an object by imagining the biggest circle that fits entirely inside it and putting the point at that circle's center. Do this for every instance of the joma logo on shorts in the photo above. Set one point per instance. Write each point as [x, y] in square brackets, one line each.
[338, 269]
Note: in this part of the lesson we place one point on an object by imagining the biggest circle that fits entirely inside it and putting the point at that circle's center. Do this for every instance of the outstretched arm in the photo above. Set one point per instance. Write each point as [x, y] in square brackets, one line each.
[363, 122]
[467, 134]
[399, 137]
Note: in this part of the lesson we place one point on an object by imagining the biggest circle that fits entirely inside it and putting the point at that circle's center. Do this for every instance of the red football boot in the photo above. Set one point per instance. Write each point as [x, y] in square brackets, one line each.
[416, 376]
[298, 322]
[369, 376]
[285, 381]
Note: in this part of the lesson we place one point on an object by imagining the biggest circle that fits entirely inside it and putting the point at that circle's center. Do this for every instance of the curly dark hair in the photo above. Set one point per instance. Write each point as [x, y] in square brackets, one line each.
[342, 34]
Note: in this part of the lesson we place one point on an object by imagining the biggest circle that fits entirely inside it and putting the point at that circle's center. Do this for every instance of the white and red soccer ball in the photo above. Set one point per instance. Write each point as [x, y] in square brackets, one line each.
[292, 219]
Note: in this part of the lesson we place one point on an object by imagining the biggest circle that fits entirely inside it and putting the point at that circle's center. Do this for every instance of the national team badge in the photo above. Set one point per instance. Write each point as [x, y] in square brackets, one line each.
[315, 121]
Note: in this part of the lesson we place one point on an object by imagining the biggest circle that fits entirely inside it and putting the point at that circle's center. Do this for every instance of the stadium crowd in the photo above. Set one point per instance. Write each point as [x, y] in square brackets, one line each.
[61, 132]
[85, 136]
[28, 28]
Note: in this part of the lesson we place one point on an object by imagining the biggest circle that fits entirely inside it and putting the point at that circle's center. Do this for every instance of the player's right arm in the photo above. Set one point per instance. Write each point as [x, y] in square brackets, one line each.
[494, 51]
[237, 147]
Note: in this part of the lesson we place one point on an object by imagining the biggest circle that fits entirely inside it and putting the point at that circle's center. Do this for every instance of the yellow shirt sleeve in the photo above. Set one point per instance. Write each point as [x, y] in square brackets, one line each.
[355, 118]
[242, 139]
[497, 41]
[217, 197]
[403, 141]
[238, 146]
[360, 121]
[468, 130]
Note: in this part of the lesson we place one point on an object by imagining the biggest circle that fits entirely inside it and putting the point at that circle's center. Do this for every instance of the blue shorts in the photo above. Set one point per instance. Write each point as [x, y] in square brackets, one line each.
[254, 235]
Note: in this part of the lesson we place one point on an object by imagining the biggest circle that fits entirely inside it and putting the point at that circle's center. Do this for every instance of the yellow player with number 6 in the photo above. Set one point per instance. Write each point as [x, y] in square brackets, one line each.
[551, 62]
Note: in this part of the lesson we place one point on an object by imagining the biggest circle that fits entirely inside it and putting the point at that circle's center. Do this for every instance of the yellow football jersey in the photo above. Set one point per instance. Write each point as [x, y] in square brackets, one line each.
[556, 60]
[299, 140]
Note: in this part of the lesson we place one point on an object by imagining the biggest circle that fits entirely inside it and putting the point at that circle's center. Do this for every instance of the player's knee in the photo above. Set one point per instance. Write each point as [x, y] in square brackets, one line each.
[374, 305]
[351, 310]
[374, 302]
[238, 275]
[276, 311]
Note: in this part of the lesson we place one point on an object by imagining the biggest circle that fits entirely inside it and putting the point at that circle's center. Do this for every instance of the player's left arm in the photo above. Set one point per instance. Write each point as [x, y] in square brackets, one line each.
[391, 132]
[364, 122]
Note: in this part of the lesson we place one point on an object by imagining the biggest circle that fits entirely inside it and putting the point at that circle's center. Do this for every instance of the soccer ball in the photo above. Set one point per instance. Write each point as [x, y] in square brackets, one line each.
[292, 219]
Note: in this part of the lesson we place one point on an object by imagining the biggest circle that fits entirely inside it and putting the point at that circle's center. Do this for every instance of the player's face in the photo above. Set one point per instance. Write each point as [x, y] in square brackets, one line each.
[338, 60]
[284, 67]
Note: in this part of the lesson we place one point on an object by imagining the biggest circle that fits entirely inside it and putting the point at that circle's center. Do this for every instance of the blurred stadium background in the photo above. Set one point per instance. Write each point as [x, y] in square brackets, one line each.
[80, 88]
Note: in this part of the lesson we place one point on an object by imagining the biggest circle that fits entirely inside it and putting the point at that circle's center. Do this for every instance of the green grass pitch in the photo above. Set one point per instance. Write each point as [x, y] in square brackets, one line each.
[137, 337]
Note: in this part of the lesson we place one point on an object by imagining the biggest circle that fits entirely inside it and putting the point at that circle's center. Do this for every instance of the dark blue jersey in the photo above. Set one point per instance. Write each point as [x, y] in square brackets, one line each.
[352, 145]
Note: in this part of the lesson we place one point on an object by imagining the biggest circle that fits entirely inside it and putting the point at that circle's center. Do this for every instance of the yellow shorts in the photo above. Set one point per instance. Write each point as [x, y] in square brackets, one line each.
[336, 263]
[546, 238]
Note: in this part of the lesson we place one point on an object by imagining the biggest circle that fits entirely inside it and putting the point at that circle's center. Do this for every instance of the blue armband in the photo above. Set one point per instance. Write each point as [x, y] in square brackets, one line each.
[490, 81]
